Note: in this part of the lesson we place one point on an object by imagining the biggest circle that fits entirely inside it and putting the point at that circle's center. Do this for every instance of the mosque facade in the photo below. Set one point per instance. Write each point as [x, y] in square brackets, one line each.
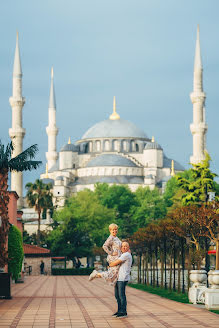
[114, 151]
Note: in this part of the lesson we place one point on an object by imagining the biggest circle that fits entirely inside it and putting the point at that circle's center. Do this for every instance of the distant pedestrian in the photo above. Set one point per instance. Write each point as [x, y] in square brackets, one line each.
[42, 265]
[78, 264]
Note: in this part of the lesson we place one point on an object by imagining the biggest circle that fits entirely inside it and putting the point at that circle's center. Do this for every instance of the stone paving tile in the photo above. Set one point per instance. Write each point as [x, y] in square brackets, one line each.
[73, 301]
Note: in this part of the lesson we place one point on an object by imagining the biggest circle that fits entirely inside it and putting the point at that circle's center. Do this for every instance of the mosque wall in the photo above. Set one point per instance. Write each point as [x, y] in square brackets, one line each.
[109, 171]
[65, 160]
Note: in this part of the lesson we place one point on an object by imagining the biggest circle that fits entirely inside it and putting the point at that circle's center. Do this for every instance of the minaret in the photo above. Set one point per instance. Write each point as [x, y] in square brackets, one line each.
[52, 129]
[198, 127]
[17, 132]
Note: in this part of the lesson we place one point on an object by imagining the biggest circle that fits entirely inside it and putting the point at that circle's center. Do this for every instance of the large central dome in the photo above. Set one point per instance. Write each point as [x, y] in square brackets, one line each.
[114, 129]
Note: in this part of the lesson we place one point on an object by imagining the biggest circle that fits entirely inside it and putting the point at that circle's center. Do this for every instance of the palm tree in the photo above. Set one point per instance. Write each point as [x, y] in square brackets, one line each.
[22, 162]
[39, 197]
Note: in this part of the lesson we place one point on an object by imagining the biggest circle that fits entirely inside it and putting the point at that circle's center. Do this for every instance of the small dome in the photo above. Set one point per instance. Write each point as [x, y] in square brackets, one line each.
[47, 181]
[152, 145]
[70, 147]
[114, 129]
[167, 162]
[110, 160]
[60, 177]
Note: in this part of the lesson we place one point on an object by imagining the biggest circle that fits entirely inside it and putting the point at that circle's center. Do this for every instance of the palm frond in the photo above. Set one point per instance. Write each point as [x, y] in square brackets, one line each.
[9, 150]
[23, 161]
[18, 165]
[28, 153]
[5, 155]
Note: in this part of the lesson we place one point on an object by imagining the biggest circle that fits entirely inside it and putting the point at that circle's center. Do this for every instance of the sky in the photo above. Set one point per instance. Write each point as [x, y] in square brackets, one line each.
[140, 51]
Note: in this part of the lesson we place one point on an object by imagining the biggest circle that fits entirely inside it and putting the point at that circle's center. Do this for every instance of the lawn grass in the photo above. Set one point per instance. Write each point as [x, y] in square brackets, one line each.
[171, 295]
[166, 293]
[215, 311]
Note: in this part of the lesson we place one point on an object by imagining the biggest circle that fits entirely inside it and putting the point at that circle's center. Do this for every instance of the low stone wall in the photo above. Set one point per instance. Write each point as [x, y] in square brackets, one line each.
[35, 262]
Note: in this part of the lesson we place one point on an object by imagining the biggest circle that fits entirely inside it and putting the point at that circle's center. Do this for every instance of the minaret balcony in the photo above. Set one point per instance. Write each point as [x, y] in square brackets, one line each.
[17, 102]
[17, 132]
[199, 128]
[197, 97]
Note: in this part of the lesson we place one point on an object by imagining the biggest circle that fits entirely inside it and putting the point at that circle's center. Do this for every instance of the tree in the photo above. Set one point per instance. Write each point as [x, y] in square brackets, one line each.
[173, 191]
[33, 238]
[122, 200]
[150, 206]
[22, 162]
[81, 225]
[39, 197]
[15, 252]
[198, 223]
[202, 181]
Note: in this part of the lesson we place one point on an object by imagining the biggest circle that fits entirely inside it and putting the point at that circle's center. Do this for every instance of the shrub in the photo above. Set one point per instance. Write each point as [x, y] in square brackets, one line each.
[72, 272]
[15, 252]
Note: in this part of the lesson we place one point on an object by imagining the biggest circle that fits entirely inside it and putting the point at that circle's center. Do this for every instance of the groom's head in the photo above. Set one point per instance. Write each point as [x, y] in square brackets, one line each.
[125, 247]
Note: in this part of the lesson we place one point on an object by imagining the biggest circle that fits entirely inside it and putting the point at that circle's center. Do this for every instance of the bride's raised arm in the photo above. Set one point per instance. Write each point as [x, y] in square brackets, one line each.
[107, 246]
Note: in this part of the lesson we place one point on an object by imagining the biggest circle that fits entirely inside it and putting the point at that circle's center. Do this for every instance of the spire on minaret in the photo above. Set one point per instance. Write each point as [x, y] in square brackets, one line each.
[198, 127]
[172, 173]
[69, 140]
[52, 129]
[197, 83]
[152, 139]
[52, 99]
[47, 175]
[17, 132]
[17, 71]
[114, 115]
[198, 61]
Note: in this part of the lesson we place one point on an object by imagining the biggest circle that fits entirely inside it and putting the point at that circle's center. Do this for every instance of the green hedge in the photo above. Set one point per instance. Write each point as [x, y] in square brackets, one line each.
[15, 252]
[72, 272]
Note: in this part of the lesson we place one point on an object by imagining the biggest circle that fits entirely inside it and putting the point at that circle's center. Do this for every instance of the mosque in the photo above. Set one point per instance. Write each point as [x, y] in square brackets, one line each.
[114, 150]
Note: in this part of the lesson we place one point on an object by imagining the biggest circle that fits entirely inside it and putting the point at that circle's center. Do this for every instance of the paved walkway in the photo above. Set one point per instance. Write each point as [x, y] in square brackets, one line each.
[67, 301]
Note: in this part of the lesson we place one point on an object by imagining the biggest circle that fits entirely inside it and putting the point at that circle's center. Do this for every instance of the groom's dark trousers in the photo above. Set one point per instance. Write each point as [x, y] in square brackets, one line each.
[120, 296]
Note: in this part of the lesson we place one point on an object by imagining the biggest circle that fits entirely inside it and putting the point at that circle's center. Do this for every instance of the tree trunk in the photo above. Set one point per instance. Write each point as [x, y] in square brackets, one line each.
[189, 266]
[4, 200]
[179, 272]
[38, 230]
[147, 270]
[153, 259]
[162, 266]
[171, 269]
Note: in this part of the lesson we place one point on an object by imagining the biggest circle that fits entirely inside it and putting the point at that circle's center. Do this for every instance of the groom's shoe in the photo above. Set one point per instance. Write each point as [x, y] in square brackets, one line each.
[115, 314]
[121, 315]
[93, 275]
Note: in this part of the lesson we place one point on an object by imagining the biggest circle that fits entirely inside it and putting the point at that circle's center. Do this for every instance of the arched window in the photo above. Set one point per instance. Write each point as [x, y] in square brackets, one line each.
[137, 147]
[132, 145]
[124, 145]
[107, 145]
[98, 145]
[116, 145]
[86, 148]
